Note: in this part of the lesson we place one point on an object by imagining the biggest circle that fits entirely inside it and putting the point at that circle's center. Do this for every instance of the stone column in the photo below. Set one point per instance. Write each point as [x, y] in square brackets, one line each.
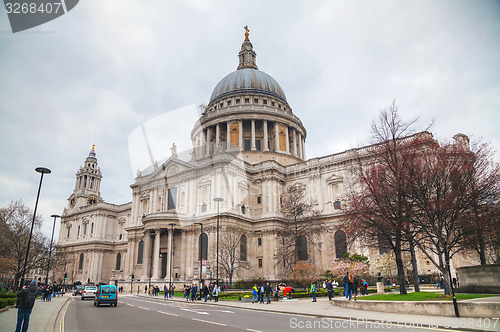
[170, 254]
[228, 136]
[146, 250]
[240, 123]
[217, 137]
[253, 135]
[303, 148]
[156, 256]
[207, 152]
[294, 151]
[265, 136]
[287, 140]
[300, 146]
[277, 136]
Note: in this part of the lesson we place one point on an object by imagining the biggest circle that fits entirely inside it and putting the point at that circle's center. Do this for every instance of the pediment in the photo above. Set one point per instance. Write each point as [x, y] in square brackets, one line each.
[334, 179]
[169, 168]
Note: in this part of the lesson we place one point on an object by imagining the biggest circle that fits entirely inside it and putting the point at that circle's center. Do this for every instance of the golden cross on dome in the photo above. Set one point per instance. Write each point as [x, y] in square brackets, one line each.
[93, 146]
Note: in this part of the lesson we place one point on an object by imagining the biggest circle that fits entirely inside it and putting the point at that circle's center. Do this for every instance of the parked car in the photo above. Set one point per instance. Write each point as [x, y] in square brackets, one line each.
[89, 292]
[78, 290]
[106, 294]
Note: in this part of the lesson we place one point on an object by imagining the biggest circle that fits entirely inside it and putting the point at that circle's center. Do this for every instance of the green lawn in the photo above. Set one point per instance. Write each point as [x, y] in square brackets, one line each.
[421, 296]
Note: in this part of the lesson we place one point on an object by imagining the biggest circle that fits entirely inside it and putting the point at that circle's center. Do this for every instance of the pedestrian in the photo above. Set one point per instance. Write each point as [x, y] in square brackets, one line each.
[216, 293]
[138, 289]
[365, 287]
[262, 291]
[345, 282]
[313, 291]
[329, 289]
[255, 293]
[276, 293]
[355, 288]
[25, 301]
[205, 292]
[165, 292]
[350, 286]
[171, 291]
[194, 290]
[268, 291]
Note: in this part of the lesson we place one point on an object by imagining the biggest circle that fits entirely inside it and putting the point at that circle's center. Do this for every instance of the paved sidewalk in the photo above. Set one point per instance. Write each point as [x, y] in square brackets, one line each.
[323, 308]
[42, 317]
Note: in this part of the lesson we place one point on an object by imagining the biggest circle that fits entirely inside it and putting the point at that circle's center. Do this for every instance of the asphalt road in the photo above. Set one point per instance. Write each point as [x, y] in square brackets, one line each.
[139, 314]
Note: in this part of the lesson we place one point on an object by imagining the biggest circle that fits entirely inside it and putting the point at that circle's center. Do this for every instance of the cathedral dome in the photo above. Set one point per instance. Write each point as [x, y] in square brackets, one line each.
[248, 80]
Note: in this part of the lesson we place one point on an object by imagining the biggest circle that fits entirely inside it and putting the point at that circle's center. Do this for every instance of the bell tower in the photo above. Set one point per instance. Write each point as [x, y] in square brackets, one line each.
[247, 56]
[88, 183]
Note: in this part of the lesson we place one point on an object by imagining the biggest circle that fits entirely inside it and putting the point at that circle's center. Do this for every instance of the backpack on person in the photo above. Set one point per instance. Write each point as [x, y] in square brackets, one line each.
[29, 299]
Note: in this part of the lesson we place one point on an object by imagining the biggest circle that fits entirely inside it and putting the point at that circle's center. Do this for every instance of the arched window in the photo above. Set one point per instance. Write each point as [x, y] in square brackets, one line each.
[301, 248]
[340, 244]
[203, 244]
[140, 250]
[243, 247]
[80, 262]
[118, 261]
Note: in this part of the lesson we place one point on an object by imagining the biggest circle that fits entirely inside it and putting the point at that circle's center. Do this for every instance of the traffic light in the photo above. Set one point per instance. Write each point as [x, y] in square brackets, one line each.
[132, 277]
[65, 275]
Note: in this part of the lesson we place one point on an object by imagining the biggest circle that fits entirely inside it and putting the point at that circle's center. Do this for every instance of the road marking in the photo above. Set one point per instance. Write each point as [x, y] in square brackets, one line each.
[61, 322]
[229, 312]
[253, 330]
[206, 321]
[167, 313]
[143, 308]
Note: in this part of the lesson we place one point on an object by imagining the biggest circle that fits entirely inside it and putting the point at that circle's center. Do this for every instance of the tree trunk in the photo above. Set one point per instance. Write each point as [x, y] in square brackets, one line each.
[482, 250]
[414, 266]
[399, 264]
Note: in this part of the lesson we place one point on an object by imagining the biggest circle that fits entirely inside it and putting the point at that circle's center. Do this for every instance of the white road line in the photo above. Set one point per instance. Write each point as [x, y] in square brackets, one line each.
[143, 308]
[253, 330]
[229, 312]
[206, 321]
[167, 313]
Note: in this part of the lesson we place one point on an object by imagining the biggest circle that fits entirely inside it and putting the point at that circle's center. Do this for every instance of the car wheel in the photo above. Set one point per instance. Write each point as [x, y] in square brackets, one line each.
[83, 298]
[95, 304]
[116, 303]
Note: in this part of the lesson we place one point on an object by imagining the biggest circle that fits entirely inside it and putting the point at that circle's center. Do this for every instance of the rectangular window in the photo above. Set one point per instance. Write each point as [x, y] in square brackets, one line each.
[247, 145]
[257, 144]
[69, 229]
[265, 101]
[272, 103]
[172, 198]
[259, 241]
[228, 103]
[92, 229]
[85, 229]
[259, 200]
[78, 233]
[260, 262]
[247, 100]
[237, 101]
[255, 101]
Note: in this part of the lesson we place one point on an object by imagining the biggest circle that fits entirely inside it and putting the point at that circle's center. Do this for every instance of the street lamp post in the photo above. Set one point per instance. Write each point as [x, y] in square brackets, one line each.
[171, 251]
[218, 200]
[41, 170]
[55, 216]
[201, 252]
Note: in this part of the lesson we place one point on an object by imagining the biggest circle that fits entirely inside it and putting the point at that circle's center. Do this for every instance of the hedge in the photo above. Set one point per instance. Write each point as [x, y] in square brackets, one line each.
[4, 295]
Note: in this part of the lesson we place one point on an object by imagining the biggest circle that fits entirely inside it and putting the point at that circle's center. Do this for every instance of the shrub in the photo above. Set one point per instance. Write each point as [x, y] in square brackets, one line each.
[4, 295]
[3, 303]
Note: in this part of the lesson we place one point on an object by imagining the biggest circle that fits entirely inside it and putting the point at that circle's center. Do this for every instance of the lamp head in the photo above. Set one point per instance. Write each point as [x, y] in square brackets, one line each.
[43, 170]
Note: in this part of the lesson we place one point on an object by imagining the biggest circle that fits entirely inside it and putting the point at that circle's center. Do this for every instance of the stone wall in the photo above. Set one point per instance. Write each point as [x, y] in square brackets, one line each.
[479, 279]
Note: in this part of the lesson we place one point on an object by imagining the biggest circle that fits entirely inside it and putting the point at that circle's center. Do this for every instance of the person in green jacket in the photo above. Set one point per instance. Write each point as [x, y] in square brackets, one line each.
[313, 291]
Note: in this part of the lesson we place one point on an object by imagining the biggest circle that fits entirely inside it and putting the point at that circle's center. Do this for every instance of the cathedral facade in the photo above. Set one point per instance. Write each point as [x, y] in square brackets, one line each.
[248, 147]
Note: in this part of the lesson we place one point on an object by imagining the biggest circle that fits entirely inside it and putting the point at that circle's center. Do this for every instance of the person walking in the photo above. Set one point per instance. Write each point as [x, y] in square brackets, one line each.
[365, 287]
[165, 292]
[350, 286]
[268, 291]
[355, 288]
[25, 301]
[329, 288]
[255, 293]
[262, 291]
[345, 282]
[216, 293]
[313, 292]
[205, 292]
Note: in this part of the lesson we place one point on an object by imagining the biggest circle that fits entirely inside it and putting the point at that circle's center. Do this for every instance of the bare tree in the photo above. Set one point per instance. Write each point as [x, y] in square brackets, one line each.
[299, 228]
[15, 223]
[232, 252]
[379, 206]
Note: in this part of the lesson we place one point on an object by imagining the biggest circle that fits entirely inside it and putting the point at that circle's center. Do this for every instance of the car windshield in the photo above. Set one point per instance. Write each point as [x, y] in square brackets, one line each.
[80, 287]
[90, 288]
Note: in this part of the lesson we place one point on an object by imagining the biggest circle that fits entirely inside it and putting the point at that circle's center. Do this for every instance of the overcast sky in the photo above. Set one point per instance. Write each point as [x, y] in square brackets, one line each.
[96, 73]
